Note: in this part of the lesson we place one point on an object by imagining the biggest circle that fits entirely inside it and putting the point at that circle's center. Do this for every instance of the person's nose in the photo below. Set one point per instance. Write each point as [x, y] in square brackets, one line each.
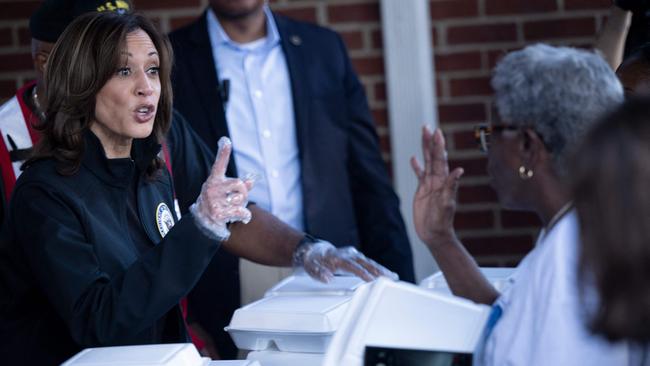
[143, 86]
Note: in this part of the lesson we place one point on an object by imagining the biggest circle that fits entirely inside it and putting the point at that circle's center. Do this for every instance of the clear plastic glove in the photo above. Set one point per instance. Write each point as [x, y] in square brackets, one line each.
[321, 260]
[222, 200]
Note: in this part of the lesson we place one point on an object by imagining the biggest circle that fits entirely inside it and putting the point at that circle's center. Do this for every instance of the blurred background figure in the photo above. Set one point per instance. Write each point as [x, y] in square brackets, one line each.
[627, 28]
[611, 173]
[634, 72]
[639, 29]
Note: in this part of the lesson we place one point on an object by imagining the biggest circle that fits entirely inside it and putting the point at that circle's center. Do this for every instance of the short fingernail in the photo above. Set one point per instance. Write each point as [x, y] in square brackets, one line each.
[223, 141]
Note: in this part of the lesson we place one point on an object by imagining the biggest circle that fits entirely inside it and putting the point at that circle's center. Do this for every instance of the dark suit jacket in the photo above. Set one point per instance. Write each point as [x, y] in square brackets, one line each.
[348, 198]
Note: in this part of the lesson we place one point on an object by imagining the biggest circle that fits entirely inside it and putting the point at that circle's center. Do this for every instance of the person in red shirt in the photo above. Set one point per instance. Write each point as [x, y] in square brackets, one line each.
[24, 110]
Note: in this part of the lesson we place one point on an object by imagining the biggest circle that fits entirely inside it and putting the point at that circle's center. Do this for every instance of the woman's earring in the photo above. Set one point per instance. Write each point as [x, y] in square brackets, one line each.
[525, 173]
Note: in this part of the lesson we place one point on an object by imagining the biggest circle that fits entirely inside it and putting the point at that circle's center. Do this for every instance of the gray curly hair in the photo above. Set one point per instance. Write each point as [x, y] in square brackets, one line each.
[559, 92]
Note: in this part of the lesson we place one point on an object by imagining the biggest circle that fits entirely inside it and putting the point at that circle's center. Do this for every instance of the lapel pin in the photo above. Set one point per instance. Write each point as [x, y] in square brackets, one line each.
[295, 40]
[164, 219]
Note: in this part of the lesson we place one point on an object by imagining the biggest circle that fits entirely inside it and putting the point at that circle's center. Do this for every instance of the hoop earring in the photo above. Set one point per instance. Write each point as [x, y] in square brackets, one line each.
[525, 173]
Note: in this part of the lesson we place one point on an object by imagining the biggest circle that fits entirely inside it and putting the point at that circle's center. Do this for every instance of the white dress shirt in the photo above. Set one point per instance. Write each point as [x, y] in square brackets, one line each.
[260, 117]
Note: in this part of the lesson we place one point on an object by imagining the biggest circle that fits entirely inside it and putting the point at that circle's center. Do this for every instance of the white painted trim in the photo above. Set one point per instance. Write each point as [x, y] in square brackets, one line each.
[408, 57]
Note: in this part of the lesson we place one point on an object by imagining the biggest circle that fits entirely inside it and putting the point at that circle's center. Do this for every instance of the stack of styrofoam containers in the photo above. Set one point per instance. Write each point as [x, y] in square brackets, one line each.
[499, 277]
[399, 315]
[295, 321]
[181, 354]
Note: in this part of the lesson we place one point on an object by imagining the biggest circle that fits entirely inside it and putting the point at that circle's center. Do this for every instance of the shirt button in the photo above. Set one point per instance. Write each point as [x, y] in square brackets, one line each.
[275, 173]
[266, 134]
[258, 94]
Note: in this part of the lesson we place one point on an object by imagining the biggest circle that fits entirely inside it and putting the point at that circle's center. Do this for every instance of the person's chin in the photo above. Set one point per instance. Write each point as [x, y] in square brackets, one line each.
[237, 11]
[143, 131]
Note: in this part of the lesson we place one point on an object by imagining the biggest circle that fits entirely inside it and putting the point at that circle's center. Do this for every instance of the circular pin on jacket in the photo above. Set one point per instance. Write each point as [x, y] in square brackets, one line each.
[295, 40]
[164, 219]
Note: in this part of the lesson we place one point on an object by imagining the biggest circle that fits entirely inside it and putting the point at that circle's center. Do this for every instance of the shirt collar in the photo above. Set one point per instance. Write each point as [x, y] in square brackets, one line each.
[563, 211]
[118, 172]
[559, 215]
[219, 37]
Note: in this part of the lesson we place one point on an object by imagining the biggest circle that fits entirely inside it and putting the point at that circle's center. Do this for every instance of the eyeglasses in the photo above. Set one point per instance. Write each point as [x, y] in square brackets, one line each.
[482, 134]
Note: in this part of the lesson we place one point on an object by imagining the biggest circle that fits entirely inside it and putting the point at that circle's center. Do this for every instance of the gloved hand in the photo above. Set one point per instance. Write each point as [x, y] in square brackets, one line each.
[222, 200]
[321, 260]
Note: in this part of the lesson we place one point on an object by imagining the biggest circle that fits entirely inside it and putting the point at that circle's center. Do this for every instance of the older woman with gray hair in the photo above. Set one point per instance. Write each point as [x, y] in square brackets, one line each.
[546, 98]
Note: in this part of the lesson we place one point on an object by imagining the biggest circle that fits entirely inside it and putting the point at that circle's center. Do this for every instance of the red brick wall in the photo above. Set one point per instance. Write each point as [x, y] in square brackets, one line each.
[469, 37]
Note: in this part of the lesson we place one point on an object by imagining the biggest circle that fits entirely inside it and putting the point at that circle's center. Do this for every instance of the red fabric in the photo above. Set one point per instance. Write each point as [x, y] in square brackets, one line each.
[198, 342]
[168, 160]
[30, 118]
[8, 176]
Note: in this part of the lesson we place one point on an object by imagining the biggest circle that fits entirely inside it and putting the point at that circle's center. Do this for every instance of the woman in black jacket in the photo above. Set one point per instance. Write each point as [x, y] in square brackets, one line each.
[92, 253]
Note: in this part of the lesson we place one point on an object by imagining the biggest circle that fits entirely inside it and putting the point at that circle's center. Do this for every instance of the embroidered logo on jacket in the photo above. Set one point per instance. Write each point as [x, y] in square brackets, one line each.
[164, 219]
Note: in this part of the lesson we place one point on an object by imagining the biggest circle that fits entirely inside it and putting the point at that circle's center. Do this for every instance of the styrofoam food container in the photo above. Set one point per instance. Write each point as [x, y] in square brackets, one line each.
[179, 354]
[299, 342]
[300, 323]
[392, 314]
[304, 285]
[499, 277]
[276, 358]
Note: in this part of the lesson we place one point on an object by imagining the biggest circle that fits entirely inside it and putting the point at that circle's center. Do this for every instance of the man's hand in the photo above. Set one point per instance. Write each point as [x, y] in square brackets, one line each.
[321, 260]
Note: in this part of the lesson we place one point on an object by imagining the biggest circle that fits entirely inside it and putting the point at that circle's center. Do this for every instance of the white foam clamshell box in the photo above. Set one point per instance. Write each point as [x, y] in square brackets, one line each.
[499, 277]
[303, 284]
[277, 358]
[180, 354]
[400, 315]
[297, 315]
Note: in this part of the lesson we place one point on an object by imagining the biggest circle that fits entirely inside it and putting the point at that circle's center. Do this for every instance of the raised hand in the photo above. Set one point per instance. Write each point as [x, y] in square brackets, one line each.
[222, 200]
[434, 204]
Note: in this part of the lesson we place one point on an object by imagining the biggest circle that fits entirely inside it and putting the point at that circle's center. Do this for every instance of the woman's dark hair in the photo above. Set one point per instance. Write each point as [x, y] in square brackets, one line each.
[611, 188]
[85, 57]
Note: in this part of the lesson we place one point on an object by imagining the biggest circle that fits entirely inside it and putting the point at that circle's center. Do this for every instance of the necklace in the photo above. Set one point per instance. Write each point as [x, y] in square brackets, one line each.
[37, 105]
[558, 215]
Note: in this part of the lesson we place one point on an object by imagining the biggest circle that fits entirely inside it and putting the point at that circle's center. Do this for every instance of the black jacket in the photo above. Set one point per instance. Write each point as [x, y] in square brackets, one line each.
[73, 274]
[190, 160]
